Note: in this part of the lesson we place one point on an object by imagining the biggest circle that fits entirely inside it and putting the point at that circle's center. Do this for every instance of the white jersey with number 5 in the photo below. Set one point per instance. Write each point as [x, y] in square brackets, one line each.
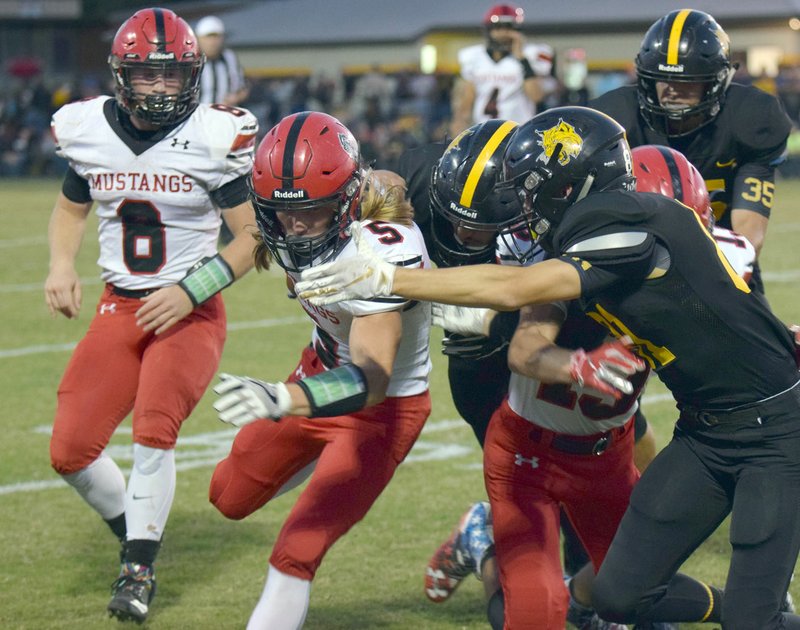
[152, 197]
[399, 245]
[737, 249]
[499, 91]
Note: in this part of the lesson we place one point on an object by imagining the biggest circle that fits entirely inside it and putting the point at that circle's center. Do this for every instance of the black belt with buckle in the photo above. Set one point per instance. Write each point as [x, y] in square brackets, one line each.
[136, 294]
[744, 415]
[574, 444]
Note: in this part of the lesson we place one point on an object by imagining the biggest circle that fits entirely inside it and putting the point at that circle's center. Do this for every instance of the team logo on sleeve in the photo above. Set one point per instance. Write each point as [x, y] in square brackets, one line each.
[564, 134]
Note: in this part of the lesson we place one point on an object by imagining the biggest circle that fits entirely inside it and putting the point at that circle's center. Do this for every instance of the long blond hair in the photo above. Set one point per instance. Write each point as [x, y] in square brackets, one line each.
[384, 198]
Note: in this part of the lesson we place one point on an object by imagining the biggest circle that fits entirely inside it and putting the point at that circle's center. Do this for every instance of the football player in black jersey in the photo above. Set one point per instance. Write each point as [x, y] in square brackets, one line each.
[644, 266]
[684, 98]
[463, 213]
[437, 173]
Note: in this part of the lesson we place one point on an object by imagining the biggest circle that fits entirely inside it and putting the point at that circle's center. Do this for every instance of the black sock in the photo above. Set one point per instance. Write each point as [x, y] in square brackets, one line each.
[141, 551]
[117, 525]
[495, 610]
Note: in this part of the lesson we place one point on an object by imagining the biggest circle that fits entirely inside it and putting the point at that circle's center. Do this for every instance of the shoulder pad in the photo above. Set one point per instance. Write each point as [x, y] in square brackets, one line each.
[618, 240]
[231, 130]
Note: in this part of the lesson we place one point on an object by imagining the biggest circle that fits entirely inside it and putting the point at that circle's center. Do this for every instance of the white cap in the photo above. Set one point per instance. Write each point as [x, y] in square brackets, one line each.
[209, 25]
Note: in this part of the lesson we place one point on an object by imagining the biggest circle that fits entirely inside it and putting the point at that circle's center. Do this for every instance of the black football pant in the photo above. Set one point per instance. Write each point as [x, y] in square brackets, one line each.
[478, 386]
[748, 469]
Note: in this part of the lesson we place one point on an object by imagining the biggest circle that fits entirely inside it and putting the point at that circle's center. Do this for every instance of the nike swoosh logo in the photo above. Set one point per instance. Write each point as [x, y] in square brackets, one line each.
[726, 164]
[135, 498]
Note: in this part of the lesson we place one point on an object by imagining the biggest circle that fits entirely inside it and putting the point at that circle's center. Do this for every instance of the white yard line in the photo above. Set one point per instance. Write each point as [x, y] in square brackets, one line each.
[206, 449]
[65, 347]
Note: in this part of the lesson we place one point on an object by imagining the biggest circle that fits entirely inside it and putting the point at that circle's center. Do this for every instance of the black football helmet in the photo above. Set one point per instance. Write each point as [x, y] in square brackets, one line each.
[463, 193]
[683, 46]
[557, 158]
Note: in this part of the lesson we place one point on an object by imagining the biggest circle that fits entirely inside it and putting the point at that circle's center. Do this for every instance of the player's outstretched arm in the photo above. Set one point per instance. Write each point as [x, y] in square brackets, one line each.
[62, 288]
[494, 286]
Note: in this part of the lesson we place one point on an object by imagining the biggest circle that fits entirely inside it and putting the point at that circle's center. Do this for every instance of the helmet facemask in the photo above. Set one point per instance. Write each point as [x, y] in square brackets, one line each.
[298, 252]
[162, 108]
[675, 122]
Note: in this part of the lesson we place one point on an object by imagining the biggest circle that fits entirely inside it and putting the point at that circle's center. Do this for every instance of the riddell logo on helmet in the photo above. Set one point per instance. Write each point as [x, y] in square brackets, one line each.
[160, 56]
[289, 194]
[669, 68]
[464, 212]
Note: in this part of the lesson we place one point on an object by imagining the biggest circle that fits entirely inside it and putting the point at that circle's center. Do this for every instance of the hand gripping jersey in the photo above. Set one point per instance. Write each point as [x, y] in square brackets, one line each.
[566, 407]
[498, 85]
[650, 270]
[156, 216]
[402, 246]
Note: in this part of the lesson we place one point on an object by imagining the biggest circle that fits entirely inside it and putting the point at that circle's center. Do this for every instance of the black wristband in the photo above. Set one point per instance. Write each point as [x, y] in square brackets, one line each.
[503, 325]
[527, 70]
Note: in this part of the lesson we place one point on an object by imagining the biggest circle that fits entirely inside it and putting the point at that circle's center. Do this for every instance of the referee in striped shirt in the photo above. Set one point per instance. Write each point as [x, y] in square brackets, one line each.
[222, 80]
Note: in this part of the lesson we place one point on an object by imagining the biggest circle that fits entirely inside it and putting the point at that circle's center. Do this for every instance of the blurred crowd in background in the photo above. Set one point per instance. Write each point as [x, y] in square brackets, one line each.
[388, 113]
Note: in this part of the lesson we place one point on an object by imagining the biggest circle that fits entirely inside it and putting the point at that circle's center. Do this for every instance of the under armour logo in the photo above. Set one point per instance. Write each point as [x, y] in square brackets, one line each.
[176, 142]
[519, 460]
[108, 308]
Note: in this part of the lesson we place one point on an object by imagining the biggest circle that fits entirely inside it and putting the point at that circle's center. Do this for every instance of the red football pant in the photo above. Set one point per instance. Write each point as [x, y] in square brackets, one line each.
[528, 481]
[356, 457]
[117, 368]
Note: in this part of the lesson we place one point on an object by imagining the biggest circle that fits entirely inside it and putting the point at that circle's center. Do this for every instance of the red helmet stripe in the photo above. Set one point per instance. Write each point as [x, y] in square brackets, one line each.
[161, 33]
[288, 150]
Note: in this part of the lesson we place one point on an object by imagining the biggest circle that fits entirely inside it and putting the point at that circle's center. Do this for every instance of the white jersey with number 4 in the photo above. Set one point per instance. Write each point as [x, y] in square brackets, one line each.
[499, 91]
[399, 245]
[152, 198]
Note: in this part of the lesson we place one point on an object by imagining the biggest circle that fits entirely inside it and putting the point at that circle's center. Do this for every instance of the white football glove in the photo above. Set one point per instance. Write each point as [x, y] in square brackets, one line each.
[363, 276]
[464, 320]
[244, 400]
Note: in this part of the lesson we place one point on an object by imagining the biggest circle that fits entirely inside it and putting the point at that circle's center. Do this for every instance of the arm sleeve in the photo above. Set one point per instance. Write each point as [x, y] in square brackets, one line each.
[75, 188]
[601, 269]
[231, 194]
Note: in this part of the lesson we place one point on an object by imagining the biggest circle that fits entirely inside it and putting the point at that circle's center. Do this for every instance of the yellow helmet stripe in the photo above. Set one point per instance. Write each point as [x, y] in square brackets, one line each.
[675, 37]
[483, 157]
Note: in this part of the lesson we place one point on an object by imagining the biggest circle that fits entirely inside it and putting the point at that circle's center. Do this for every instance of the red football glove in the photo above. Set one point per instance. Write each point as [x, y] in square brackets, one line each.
[607, 368]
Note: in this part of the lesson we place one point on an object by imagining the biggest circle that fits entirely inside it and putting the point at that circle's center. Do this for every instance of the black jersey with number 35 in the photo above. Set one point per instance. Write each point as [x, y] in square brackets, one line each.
[736, 153]
[650, 270]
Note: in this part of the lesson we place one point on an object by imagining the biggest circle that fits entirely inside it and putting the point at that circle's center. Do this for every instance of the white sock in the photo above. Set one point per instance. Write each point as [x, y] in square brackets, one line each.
[295, 480]
[102, 485]
[283, 604]
[151, 489]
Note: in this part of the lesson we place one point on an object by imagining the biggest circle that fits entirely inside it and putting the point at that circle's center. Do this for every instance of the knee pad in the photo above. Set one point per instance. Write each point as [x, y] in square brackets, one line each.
[751, 526]
[147, 460]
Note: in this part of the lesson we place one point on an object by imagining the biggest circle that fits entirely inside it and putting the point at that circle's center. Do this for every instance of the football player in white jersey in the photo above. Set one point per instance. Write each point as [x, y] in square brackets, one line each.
[546, 442]
[356, 402]
[503, 78]
[159, 169]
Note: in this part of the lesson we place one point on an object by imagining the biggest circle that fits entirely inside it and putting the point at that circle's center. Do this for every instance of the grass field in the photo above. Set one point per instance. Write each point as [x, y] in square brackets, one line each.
[59, 559]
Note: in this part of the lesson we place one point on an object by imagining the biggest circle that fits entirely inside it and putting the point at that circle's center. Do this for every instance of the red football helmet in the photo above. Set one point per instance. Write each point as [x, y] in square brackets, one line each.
[667, 171]
[156, 42]
[504, 15]
[308, 161]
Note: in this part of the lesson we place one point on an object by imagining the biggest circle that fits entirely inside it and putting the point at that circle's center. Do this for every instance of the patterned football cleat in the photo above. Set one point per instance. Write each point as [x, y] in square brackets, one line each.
[460, 554]
[132, 593]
